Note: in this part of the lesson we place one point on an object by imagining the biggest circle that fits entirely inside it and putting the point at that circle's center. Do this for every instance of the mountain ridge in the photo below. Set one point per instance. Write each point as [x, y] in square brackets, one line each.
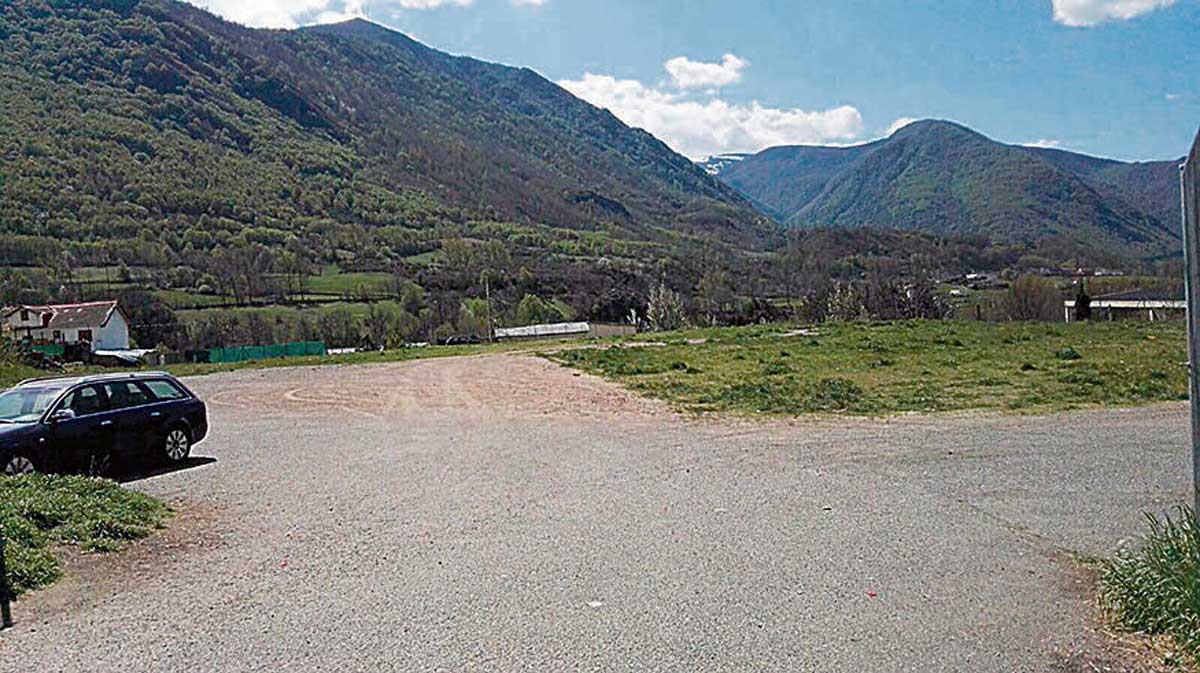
[945, 178]
[143, 116]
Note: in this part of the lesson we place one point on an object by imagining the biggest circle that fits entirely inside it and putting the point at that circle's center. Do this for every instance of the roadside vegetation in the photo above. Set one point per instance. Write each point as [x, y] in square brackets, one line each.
[39, 514]
[894, 367]
[1155, 590]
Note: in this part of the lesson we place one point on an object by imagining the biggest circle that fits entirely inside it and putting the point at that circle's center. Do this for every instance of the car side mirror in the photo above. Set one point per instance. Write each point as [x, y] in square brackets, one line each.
[62, 415]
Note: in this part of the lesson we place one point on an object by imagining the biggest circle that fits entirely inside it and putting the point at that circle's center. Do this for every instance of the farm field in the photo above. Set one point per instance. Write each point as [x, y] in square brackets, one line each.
[913, 366]
[333, 281]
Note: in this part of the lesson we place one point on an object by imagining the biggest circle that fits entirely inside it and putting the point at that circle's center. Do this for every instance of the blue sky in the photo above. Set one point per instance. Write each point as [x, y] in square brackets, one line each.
[1114, 78]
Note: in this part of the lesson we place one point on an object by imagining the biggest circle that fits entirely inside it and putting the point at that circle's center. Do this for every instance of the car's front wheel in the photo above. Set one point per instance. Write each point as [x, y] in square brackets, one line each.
[178, 444]
[16, 463]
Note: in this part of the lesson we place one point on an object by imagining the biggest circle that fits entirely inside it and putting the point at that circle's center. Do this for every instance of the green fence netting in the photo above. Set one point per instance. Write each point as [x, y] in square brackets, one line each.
[244, 353]
[51, 350]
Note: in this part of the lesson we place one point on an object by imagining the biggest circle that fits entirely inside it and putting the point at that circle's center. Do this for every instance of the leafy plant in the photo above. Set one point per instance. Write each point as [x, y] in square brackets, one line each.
[1068, 353]
[1156, 589]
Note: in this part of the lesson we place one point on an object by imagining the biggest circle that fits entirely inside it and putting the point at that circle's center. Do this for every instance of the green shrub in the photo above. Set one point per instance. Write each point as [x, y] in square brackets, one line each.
[1156, 589]
[835, 394]
[1068, 353]
[95, 515]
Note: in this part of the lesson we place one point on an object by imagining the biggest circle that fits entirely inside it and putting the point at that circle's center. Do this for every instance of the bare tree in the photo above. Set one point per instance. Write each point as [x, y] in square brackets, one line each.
[1032, 298]
[665, 309]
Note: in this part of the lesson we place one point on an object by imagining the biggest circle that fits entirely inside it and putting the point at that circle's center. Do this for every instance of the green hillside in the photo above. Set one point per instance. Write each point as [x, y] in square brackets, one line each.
[151, 134]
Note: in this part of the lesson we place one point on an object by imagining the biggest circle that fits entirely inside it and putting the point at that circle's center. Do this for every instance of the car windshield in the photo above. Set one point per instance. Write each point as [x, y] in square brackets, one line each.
[27, 404]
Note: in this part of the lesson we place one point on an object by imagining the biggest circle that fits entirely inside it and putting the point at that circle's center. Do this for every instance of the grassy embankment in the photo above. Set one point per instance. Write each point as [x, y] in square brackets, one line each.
[39, 513]
[1155, 590]
[886, 368]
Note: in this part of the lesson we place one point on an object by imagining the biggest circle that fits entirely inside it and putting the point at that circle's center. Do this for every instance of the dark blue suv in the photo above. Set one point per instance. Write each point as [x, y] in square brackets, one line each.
[83, 423]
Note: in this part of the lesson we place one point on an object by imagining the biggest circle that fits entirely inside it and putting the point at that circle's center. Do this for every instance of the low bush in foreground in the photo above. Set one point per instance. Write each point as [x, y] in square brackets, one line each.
[38, 512]
[1156, 589]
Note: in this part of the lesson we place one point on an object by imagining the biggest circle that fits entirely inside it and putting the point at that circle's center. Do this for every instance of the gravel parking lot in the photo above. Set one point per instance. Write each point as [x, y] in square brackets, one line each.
[501, 513]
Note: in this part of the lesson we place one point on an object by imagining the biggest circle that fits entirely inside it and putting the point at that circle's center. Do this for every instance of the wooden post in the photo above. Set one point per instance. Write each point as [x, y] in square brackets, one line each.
[1190, 181]
[6, 620]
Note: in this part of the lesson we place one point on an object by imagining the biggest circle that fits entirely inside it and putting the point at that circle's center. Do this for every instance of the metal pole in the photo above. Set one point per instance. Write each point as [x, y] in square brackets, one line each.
[1189, 175]
[6, 620]
[487, 290]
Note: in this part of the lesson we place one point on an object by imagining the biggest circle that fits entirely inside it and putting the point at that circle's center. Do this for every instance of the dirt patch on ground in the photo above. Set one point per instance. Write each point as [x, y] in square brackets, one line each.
[1104, 649]
[90, 579]
[514, 384]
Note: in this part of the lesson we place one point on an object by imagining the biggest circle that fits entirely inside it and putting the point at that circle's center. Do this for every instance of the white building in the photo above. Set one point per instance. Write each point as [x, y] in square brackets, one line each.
[1149, 305]
[581, 330]
[102, 324]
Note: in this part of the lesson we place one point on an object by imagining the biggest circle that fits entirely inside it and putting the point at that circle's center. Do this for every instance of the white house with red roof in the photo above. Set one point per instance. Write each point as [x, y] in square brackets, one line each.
[102, 324]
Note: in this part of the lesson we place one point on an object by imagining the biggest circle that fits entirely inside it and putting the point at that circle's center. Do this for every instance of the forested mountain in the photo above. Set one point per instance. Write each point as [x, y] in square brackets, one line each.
[943, 178]
[153, 134]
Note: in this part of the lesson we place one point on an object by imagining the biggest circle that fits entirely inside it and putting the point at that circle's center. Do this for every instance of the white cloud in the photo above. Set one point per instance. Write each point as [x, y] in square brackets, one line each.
[1045, 143]
[430, 4]
[1091, 12]
[899, 124]
[293, 13]
[268, 13]
[689, 74]
[700, 128]
[1173, 97]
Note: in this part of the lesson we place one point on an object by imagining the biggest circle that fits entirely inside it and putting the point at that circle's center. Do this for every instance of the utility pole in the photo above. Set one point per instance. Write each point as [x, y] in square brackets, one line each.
[1190, 182]
[487, 292]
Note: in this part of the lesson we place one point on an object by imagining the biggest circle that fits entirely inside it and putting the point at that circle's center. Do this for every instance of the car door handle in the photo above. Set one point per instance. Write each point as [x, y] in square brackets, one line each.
[105, 424]
[155, 414]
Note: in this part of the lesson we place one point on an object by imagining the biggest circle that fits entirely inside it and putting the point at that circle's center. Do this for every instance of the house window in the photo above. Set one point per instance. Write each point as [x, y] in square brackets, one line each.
[24, 315]
[85, 335]
[57, 336]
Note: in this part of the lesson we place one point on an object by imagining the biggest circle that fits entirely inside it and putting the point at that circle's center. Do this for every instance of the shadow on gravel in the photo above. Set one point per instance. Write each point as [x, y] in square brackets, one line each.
[128, 473]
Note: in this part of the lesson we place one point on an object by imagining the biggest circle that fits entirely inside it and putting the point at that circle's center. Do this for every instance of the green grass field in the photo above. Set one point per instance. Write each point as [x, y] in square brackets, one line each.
[277, 311]
[915, 366]
[332, 281]
[38, 513]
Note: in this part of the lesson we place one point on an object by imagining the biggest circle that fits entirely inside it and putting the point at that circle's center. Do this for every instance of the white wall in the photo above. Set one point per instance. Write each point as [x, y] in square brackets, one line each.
[113, 336]
[34, 322]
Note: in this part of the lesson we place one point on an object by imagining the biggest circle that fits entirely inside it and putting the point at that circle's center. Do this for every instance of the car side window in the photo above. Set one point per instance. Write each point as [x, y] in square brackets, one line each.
[165, 391]
[85, 401]
[125, 394]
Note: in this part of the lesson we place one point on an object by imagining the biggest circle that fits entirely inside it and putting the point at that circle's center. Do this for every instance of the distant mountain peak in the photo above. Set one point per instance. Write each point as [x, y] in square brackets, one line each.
[936, 127]
[943, 177]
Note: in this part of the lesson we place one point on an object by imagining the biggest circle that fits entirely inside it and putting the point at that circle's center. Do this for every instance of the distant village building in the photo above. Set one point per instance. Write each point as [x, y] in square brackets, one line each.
[102, 325]
[1132, 305]
[579, 330]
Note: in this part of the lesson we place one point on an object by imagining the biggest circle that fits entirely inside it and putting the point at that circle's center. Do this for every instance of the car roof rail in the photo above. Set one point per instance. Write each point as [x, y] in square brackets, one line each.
[118, 376]
[93, 378]
[45, 379]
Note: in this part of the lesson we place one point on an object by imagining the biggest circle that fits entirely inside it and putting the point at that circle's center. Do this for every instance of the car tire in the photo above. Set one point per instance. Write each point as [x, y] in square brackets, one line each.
[17, 463]
[177, 445]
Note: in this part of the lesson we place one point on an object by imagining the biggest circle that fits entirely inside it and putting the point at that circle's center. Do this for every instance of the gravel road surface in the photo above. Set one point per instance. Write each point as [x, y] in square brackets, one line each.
[500, 513]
